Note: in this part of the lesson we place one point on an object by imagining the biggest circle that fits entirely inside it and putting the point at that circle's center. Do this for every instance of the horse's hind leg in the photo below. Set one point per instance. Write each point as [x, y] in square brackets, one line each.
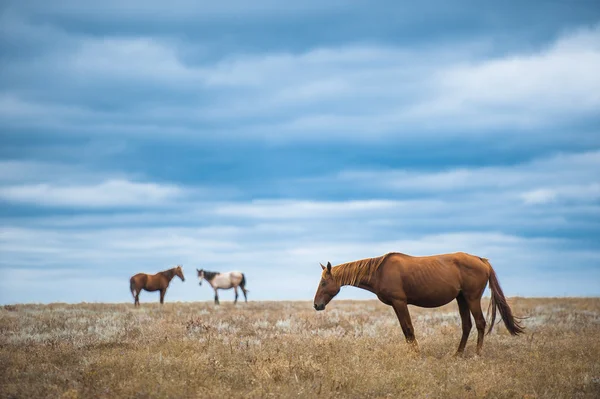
[162, 296]
[236, 295]
[245, 293]
[401, 309]
[475, 307]
[465, 317]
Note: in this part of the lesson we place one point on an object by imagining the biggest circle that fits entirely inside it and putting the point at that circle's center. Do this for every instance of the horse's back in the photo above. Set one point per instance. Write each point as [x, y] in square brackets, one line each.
[138, 277]
[461, 261]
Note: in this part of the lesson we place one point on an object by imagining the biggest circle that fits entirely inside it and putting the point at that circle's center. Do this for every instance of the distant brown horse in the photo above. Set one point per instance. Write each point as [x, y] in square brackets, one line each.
[400, 280]
[153, 282]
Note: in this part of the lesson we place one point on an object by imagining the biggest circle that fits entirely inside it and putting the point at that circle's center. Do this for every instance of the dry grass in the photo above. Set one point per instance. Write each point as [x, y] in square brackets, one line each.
[286, 349]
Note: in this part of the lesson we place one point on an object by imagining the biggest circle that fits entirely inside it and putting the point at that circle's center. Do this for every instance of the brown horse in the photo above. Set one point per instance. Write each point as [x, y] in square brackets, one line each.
[400, 280]
[153, 282]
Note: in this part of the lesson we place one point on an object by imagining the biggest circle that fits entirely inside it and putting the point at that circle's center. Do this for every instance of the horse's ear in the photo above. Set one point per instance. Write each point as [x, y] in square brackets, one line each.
[322, 267]
[329, 267]
[197, 269]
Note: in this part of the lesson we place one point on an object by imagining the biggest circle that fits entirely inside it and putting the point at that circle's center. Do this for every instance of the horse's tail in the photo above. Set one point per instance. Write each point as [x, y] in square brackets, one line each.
[243, 283]
[498, 301]
[132, 287]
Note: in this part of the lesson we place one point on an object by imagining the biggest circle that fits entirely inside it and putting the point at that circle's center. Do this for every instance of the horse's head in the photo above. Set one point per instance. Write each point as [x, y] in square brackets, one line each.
[179, 272]
[200, 275]
[328, 288]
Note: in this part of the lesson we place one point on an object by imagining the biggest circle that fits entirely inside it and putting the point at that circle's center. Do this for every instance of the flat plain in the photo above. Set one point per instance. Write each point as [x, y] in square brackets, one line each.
[286, 349]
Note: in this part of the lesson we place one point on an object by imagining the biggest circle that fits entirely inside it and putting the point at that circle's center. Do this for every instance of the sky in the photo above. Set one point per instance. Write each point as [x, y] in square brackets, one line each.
[269, 138]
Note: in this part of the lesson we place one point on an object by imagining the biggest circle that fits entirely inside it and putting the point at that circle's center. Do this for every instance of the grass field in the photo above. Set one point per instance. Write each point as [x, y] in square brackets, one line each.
[286, 349]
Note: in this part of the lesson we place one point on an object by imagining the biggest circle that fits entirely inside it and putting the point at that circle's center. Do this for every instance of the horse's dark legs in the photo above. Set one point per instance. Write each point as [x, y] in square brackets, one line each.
[401, 309]
[465, 317]
[475, 307]
[162, 296]
[236, 295]
[216, 297]
[245, 294]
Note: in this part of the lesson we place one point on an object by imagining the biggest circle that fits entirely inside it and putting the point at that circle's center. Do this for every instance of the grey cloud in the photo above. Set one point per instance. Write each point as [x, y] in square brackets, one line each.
[323, 93]
[560, 170]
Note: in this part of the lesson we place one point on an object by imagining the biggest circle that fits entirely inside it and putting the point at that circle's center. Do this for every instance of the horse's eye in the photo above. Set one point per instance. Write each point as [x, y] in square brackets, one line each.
[323, 283]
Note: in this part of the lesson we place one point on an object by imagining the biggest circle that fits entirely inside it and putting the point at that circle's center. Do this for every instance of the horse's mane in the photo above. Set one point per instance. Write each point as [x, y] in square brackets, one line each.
[210, 275]
[352, 273]
[169, 272]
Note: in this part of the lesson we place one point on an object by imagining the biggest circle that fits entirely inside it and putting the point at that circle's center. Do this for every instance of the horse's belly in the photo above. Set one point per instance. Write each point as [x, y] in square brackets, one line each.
[432, 298]
[222, 281]
[431, 285]
[431, 302]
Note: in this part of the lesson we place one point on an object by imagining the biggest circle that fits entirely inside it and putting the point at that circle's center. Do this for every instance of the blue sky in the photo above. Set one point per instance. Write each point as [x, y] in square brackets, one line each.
[139, 135]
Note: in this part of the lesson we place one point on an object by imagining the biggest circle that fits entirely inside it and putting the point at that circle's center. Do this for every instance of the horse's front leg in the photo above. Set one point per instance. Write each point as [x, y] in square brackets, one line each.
[162, 296]
[401, 309]
[216, 297]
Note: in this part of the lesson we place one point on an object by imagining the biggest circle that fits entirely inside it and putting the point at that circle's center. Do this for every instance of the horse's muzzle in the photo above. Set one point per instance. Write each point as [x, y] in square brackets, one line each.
[319, 307]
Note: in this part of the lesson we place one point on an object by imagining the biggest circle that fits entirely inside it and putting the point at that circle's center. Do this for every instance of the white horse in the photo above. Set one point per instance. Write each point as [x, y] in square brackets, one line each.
[224, 281]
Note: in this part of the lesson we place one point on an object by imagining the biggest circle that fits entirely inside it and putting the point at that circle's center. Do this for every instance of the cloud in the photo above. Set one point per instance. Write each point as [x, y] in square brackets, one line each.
[142, 59]
[564, 185]
[292, 209]
[111, 193]
[519, 90]
[539, 196]
[560, 177]
[21, 171]
[347, 92]
[581, 193]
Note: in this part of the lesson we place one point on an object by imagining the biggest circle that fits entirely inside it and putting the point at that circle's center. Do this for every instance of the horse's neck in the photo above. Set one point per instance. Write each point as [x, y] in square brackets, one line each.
[210, 276]
[366, 282]
[368, 285]
[169, 274]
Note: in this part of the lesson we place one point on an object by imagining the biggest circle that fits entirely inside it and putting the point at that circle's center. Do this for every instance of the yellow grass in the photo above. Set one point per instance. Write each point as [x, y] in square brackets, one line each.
[286, 349]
